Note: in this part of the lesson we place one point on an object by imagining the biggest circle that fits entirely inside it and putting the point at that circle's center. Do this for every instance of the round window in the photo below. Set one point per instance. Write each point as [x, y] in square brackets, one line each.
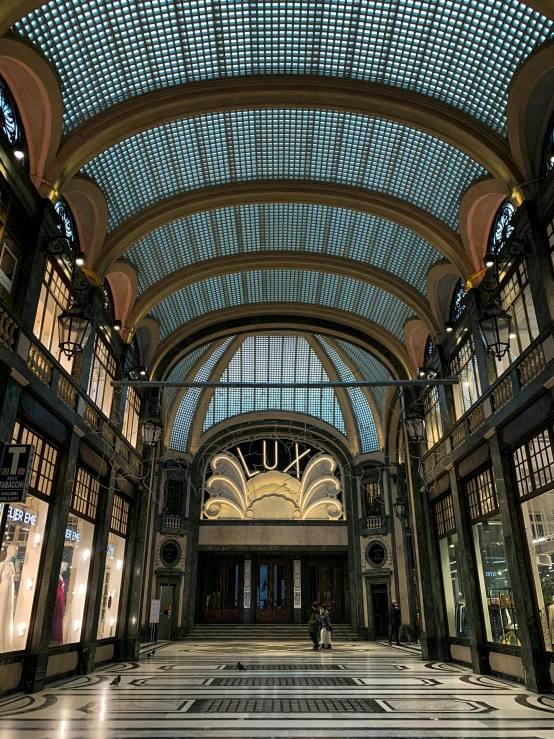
[170, 553]
[376, 554]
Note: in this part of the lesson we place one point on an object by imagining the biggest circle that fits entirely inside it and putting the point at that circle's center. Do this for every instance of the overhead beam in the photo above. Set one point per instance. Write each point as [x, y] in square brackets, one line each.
[292, 385]
[409, 108]
[283, 260]
[396, 210]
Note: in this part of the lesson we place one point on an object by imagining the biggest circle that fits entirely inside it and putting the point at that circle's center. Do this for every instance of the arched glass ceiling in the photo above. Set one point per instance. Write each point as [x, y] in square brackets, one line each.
[370, 367]
[247, 145]
[185, 412]
[463, 53]
[273, 285]
[282, 227]
[181, 370]
[283, 359]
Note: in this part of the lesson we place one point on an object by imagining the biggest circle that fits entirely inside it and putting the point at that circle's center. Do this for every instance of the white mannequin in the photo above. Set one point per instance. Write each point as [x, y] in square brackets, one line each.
[7, 573]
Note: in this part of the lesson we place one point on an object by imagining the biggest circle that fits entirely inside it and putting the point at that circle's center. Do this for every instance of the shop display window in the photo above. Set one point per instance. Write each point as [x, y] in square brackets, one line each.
[454, 599]
[19, 566]
[111, 587]
[72, 585]
[494, 582]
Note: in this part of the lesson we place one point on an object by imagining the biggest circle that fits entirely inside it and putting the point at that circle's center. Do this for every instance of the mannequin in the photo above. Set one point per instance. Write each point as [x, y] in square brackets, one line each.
[59, 608]
[550, 610]
[7, 573]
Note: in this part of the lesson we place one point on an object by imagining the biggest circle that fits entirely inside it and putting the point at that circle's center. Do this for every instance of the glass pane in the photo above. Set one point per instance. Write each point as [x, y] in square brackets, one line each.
[279, 586]
[263, 587]
[456, 609]
[72, 585]
[230, 594]
[538, 518]
[494, 581]
[19, 563]
[213, 599]
[111, 588]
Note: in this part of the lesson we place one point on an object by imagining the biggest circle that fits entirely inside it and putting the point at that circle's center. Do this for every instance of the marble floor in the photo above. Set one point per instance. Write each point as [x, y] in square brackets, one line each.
[194, 689]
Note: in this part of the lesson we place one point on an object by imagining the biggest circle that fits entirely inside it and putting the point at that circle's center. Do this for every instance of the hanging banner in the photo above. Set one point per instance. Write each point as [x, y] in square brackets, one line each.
[15, 472]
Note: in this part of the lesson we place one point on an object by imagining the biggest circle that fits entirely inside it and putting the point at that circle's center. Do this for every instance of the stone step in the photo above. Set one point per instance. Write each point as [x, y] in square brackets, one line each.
[257, 632]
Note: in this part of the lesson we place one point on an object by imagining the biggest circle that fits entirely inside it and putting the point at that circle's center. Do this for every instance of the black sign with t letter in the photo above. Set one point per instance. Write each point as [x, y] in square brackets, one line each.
[15, 472]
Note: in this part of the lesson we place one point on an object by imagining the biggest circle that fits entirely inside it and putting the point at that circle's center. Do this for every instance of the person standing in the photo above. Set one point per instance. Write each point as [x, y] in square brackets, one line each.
[325, 627]
[314, 624]
[394, 621]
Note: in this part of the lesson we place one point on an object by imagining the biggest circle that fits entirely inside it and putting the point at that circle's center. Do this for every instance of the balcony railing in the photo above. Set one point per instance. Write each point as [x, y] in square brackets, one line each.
[171, 523]
[374, 525]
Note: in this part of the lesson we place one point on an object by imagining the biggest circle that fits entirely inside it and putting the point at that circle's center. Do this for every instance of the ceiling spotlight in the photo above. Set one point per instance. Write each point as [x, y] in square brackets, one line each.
[427, 373]
[142, 372]
[489, 260]
[80, 258]
[137, 373]
[449, 326]
[18, 154]
[512, 335]
[116, 325]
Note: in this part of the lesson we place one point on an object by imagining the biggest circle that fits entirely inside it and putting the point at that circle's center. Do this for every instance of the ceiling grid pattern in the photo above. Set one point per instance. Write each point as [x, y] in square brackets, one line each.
[463, 54]
[281, 227]
[298, 144]
[296, 286]
[370, 367]
[181, 370]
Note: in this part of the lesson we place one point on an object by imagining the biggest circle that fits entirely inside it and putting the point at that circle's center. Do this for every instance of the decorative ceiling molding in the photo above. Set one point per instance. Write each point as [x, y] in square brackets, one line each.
[212, 324]
[281, 260]
[418, 111]
[404, 214]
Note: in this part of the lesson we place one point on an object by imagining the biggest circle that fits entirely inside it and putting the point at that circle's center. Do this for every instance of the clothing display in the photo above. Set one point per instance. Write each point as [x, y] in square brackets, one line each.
[7, 573]
[551, 622]
[462, 624]
[59, 608]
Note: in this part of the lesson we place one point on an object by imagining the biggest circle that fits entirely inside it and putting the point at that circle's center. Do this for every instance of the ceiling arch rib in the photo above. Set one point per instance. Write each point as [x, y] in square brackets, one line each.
[284, 316]
[224, 273]
[93, 46]
[159, 216]
[243, 146]
[142, 123]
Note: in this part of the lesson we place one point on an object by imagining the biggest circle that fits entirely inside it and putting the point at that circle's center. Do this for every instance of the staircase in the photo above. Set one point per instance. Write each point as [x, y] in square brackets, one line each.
[265, 632]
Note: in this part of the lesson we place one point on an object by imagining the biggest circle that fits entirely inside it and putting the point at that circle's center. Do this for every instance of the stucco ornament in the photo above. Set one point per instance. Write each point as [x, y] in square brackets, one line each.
[273, 494]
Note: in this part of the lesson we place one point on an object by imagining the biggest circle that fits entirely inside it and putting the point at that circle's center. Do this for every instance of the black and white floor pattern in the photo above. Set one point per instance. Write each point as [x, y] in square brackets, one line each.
[288, 690]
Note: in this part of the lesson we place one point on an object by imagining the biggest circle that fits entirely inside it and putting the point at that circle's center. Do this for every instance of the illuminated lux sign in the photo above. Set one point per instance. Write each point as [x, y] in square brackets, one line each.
[18, 514]
[71, 535]
[293, 467]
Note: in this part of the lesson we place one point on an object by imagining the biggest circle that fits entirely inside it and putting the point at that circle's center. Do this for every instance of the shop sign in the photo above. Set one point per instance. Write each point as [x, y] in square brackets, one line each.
[72, 535]
[15, 472]
[154, 611]
[18, 515]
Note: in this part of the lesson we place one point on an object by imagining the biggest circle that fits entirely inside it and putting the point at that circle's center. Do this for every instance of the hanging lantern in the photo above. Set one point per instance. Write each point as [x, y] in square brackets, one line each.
[74, 328]
[401, 509]
[496, 327]
[152, 430]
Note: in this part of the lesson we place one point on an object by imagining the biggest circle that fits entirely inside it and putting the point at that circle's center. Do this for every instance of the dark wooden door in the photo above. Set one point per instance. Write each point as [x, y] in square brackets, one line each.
[272, 591]
[221, 592]
[325, 586]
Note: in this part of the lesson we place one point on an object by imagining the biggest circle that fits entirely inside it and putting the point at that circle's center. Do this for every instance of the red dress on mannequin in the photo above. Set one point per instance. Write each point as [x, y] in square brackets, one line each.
[57, 625]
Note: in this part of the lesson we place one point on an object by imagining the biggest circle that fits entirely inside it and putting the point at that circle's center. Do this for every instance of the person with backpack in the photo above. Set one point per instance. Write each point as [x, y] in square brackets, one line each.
[314, 624]
[326, 627]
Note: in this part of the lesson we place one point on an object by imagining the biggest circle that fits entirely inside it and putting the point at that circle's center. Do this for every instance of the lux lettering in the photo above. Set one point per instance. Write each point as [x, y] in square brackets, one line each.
[295, 462]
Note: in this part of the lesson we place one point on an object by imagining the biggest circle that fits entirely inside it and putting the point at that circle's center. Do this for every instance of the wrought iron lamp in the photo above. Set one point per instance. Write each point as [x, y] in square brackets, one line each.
[74, 328]
[152, 430]
[401, 508]
[137, 373]
[415, 422]
[496, 329]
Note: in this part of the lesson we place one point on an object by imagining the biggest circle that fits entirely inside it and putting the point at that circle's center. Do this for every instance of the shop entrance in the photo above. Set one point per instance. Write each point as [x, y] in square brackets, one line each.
[221, 592]
[324, 585]
[380, 611]
[272, 591]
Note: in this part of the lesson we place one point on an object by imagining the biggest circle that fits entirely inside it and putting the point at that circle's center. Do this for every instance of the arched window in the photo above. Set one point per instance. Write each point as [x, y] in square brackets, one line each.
[67, 226]
[548, 158]
[457, 305]
[108, 299]
[428, 353]
[501, 228]
[11, 124]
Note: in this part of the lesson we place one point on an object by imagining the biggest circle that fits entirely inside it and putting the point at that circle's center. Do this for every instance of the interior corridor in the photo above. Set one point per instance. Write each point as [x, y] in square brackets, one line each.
[194, 689]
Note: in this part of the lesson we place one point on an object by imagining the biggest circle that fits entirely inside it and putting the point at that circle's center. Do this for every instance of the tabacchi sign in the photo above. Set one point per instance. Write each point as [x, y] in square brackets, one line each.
[15, 472]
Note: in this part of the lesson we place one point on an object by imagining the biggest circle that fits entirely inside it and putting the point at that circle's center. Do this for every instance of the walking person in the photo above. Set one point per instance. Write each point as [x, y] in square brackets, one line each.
[326, 627]
[314, 624]
[394, 621]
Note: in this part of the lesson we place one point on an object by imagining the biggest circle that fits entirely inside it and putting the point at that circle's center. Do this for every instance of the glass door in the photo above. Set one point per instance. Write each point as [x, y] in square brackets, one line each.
[272, 593]
[324, 586]
[221, 592]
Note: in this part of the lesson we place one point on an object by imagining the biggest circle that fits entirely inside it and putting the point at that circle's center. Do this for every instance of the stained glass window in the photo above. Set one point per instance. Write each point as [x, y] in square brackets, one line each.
[67, 224]
[10, 121]
[549, 147]
[457, 304]
[461, 53]
[279, 359]
[429, 351]
[501, 227]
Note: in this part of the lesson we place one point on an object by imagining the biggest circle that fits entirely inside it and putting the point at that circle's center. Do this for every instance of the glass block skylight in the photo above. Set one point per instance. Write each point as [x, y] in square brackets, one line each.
[370, 367]
[282, 227]
[187, 407]
[181, 369]
[248, 145]
[297, 286]
[463, 53]
[283, 359]
[362, 412]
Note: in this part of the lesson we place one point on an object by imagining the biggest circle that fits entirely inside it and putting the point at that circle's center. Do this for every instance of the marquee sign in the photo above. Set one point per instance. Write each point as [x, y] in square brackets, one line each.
[273, 479]
[15, 472]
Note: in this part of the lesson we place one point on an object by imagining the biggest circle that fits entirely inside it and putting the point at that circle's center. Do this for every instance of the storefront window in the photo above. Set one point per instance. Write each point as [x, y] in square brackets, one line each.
[534, 472]
[131, 416]
[101, 376]
[111, 588]
[492, 568]
[433, 420]
[19, 564]
[456, 608]
[464, 365]
[517, 301]
[54, 299]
